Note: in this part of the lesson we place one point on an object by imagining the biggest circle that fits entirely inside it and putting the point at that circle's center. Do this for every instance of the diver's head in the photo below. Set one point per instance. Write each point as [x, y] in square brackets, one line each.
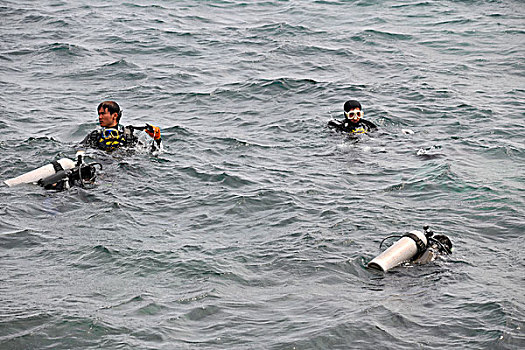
[109, 114]
[446, 244]
[353, 111]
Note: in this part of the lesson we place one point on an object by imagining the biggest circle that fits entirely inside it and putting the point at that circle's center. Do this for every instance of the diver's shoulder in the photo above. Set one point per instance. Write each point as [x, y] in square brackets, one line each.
[368, 123]
[336, 124]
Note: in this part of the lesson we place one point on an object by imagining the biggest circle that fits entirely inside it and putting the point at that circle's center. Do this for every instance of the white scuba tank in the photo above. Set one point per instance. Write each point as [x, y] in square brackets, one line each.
[403, 250]
[40, 173]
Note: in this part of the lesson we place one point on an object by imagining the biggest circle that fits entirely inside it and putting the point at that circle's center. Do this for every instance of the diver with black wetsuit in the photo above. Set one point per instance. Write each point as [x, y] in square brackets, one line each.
[353, 122]
[112, 135]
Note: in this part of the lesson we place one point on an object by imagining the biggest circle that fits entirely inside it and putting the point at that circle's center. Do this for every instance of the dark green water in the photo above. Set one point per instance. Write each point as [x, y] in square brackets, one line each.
[252, 230]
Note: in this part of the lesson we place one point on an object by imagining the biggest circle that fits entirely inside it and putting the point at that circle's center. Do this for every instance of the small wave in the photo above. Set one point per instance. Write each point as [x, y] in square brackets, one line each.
[31, 18]
[229, 180]
[387, 35]
[460, 21]
[121, 63]
[115, 69]
[275, 30]
[4, 57]
[271, 87]
[21, 238]
[236, 142]
[152, 7]
[64, 49]
[431, 180]
[96, 257]
[202, 312]
[415, 4]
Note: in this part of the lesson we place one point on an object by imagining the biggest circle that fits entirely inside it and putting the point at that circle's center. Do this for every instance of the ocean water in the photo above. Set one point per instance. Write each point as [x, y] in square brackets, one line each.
[252, 230]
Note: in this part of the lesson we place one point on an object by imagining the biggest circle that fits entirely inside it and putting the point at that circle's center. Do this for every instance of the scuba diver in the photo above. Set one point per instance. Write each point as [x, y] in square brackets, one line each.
[353, 122]
[437, 246]
[66, 173]
[111, 135]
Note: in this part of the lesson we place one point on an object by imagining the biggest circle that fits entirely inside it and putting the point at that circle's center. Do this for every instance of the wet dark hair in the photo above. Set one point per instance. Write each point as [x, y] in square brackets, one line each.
[112, 107]
[351, 104]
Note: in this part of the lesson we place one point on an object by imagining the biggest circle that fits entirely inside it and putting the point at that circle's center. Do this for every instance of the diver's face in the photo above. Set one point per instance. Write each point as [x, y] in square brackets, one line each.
[106, 119]
[354, 114]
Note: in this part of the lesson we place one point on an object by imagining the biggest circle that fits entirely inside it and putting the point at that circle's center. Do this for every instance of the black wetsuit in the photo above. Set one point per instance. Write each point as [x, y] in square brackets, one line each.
[437, 246]
[360, 127]
[110, 139]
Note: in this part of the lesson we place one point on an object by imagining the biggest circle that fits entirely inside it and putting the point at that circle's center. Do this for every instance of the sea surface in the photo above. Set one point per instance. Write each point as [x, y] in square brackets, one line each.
[253, 228]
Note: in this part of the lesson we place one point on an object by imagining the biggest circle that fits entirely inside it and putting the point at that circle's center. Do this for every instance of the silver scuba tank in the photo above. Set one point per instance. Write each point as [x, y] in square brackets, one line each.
[41, 173]
[406, 248]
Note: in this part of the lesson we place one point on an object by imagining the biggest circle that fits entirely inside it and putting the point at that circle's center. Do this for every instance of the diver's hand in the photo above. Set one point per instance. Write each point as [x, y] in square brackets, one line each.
[153, 131]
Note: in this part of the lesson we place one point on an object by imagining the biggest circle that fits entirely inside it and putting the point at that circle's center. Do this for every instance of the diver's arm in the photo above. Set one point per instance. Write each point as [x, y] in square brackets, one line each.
[371, 126]
[335, 124]
[150, 130]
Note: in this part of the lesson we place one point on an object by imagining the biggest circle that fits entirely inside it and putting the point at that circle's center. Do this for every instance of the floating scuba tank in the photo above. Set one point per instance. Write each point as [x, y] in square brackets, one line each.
[416, 246]
[409, 246]
[59, 175]
[42, 172]
[64, 179]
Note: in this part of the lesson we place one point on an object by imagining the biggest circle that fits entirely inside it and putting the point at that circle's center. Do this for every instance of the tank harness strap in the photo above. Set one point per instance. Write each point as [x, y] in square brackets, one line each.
[421, 247]
[57, 166]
